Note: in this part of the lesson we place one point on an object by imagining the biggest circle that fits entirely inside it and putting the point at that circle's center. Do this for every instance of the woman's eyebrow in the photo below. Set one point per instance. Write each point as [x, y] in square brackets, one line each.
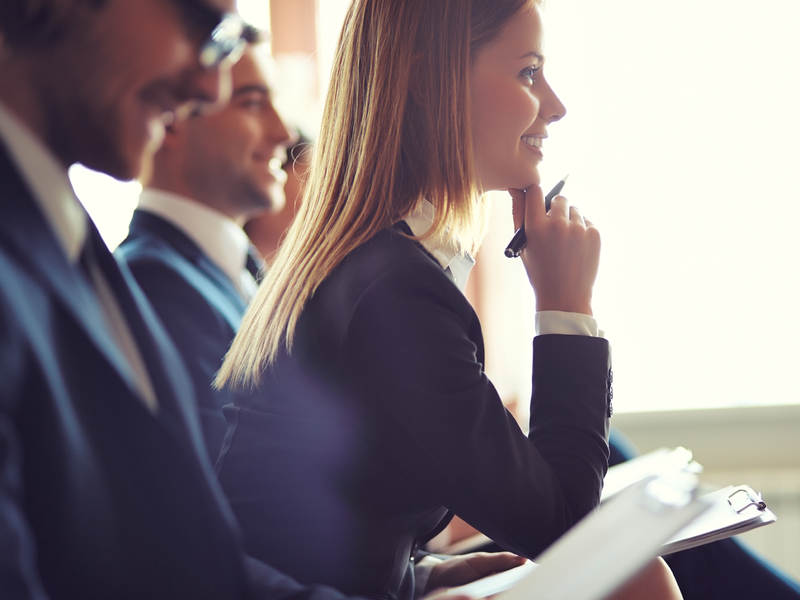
[533, 54]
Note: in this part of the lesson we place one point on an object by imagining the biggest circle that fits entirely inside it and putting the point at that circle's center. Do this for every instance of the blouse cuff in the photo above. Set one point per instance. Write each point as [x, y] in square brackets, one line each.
[566, 323]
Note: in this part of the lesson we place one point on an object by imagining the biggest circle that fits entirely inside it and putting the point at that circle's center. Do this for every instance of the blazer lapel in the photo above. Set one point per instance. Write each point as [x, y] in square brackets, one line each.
[26, 234]
[167, 373]
[24, 230]
[228, 299]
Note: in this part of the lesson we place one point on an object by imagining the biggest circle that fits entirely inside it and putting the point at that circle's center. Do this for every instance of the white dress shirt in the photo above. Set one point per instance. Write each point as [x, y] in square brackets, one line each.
[52, 191]
[218, 236]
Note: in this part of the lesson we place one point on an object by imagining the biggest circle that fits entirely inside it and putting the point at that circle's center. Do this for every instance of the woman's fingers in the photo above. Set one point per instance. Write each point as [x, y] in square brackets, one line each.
[561, 255]
[559, 208]
[527, 205]
[466, 568]
[575, 216]
[534, 206]
[517, 207]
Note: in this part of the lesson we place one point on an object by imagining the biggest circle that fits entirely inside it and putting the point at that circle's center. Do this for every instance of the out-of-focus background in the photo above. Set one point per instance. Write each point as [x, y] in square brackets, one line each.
[680, 141]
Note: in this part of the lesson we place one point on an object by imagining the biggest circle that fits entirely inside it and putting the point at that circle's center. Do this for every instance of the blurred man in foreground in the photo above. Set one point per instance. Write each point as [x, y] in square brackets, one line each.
[103, 491]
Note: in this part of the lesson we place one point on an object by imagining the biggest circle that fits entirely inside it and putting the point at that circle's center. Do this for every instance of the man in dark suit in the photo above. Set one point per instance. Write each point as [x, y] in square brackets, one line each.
[186, 247]
[103, 491]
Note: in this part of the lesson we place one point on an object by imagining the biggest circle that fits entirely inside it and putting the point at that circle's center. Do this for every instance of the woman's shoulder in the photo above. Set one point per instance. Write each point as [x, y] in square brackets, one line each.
[389, 252]
[378, 287]
[390, 259]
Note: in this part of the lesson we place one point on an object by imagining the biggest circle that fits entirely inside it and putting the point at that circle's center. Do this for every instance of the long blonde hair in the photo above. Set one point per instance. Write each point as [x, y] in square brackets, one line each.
[395, 130]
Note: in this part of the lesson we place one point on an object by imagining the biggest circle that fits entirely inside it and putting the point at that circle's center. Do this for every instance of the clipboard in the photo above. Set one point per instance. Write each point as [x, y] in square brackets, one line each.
[606, 548]
[721, 514]
[732, 510]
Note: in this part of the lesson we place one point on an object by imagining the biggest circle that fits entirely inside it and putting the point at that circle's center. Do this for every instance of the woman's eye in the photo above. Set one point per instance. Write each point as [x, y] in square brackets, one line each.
[530, 73]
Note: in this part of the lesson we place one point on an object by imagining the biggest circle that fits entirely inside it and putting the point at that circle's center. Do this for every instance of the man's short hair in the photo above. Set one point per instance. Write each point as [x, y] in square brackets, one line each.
[36, 23]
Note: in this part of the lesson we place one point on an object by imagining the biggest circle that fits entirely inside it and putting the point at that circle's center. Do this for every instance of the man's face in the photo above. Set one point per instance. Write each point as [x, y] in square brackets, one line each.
[232, 159]
[120, 73]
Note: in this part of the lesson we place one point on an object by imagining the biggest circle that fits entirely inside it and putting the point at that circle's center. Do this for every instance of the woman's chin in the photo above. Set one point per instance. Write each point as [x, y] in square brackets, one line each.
[519, 181]
[529, 179]
[525, 186]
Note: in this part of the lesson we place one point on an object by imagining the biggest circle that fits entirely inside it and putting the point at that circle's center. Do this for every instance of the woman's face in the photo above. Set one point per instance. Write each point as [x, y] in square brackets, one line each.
[512, 105]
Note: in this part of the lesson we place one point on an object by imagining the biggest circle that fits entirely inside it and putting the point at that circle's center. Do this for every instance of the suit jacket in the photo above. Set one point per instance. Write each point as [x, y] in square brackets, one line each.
[382, 418]
[198, 304]
[99, 497]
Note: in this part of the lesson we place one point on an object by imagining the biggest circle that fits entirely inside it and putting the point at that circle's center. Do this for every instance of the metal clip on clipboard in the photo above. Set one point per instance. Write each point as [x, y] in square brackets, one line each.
[739, 503]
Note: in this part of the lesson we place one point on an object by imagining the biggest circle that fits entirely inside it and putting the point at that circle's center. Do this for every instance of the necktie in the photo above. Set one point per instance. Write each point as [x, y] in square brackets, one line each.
[253, 264]
[251, 276]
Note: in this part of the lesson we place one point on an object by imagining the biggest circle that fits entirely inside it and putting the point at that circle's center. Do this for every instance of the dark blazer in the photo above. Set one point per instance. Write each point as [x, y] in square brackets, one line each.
[100, 498]
[198, 304]
[382, 418]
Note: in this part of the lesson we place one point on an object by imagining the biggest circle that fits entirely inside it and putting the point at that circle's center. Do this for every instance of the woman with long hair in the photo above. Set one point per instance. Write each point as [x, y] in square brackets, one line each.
[364, 415]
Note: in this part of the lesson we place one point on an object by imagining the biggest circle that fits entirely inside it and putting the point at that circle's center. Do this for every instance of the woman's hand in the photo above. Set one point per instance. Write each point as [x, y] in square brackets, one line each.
[562, 253]
[654, 582]
[466, 568]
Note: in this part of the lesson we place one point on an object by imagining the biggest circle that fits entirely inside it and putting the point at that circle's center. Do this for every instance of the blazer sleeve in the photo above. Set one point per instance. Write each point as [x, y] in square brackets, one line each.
[413, 350]
[266, 583]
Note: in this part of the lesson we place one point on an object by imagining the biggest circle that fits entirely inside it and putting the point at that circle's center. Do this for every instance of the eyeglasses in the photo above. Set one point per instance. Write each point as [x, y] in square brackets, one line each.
[227, 41]
[226, 44]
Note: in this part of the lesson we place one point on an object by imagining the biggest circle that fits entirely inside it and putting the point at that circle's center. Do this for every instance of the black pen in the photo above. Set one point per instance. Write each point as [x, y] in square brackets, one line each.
[517, 242]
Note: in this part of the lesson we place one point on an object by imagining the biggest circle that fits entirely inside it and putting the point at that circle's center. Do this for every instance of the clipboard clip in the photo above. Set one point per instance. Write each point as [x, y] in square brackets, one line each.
[739, 503]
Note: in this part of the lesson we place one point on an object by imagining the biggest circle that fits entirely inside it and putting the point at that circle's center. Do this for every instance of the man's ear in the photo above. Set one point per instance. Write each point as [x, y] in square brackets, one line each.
[173, 134]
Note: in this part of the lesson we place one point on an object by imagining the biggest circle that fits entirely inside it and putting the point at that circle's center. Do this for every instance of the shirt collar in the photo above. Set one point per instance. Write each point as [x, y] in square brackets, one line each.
[447, 254]
[48, 182]
[218, 236]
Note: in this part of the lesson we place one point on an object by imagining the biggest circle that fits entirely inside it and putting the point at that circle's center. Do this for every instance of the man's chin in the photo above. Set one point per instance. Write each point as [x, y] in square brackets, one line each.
[277, 198]
[114, 166]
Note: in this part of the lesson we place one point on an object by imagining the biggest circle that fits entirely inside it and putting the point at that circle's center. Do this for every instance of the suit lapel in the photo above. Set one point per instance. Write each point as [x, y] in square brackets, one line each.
[28, 237]
[228, 299]
[167, 373]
